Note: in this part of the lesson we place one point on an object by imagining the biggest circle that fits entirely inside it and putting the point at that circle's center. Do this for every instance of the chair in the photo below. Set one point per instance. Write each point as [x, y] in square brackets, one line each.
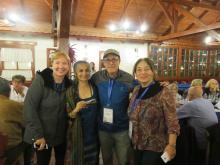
[3, 145]
[3, 152]
[214, 145]
[186, 146]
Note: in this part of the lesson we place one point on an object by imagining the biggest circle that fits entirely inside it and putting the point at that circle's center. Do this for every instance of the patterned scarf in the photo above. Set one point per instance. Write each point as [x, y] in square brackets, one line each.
[75, 137]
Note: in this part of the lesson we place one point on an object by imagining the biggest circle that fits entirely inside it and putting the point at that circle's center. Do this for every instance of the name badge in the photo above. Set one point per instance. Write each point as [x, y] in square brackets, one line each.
[108, 115]
[130, 129]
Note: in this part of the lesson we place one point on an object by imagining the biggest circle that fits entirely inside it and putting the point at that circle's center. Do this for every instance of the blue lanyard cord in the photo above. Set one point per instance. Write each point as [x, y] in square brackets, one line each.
[110, 86]
[137, 100]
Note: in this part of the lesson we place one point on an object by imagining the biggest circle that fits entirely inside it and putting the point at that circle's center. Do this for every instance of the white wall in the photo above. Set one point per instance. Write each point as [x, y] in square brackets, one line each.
[129, 52]
[85, 50]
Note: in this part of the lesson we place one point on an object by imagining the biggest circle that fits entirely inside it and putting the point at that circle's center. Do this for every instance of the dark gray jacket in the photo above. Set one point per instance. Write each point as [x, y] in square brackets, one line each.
[45, 110]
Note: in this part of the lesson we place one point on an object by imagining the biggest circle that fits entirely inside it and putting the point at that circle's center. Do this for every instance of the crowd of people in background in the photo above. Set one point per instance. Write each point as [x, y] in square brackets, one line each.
[131, 118]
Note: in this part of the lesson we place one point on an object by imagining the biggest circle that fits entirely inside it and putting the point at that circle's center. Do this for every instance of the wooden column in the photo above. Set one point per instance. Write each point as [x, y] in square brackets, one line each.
[63, 24]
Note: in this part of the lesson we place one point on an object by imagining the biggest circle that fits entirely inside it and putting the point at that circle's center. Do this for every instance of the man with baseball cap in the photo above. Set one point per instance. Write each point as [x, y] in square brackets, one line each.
[114, 86]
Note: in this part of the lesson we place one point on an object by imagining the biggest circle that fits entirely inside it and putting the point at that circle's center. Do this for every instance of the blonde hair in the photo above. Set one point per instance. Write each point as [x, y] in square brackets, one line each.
[207, 85]
[58, 55]
[195, 92]
[196, 82]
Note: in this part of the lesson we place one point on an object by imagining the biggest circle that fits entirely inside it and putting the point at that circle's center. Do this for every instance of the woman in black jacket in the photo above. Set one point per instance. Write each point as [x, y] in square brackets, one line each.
[44, 111]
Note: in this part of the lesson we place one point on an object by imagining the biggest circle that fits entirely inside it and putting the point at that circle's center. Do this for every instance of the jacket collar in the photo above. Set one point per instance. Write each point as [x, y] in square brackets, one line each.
[153, 90]
[47, 75]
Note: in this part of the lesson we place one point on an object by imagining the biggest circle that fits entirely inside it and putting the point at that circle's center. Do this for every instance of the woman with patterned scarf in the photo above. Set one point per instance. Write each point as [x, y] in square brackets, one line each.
[83, 110]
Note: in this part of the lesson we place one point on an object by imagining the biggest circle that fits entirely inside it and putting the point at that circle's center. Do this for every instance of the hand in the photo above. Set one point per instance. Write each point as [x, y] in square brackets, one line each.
[80, 105]
[171, 151]
[41, 142]
[164, 83]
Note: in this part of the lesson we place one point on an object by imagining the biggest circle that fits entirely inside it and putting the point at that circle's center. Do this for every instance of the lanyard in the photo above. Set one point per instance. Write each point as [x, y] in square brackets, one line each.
[110, 86]
[137, 100]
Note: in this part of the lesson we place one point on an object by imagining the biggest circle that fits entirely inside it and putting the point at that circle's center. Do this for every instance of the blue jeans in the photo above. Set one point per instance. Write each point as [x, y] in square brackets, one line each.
[118, 142]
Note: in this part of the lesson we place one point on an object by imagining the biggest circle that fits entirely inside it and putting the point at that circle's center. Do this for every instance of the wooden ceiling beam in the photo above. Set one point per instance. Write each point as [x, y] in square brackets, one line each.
[158, 19]
[214, 43]
[64, 13]
[77, 31]
[75, 5]
[48, 4]
[167, 14]
[41, 28]
[196, 4]
[175, 19]
[189, 32]
[99, 13]
[201, 15]
[197, 21]
[125, 8]
[149, 11]
[156, 22]
[178, 20]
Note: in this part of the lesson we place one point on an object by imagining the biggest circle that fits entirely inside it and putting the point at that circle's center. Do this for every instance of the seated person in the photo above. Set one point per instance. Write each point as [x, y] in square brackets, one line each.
[196, 82]
[174, 90]
[211, 91]
[200, 114]
[182, 87]
[18, 90]
[11, 122]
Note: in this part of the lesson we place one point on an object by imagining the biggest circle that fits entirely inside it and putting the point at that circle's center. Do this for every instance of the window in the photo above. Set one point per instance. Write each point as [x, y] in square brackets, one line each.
[17, 58]
[174, 62]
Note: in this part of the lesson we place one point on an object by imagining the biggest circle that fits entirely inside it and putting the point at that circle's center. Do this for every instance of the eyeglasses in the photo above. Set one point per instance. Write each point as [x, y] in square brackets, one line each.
[108, 60]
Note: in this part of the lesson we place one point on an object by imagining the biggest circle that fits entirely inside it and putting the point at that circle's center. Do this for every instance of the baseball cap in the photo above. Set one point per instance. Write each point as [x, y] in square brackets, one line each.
[111, 51]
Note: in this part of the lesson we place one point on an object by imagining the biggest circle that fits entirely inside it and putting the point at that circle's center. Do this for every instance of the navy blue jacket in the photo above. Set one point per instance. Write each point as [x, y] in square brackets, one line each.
[122, 86]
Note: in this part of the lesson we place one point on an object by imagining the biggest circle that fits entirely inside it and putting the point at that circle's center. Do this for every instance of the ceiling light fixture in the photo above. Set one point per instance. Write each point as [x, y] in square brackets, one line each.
[128, 28]
[208, 39]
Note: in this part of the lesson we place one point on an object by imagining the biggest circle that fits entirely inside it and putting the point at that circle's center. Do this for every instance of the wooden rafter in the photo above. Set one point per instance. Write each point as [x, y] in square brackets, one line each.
[195, 20]
[42, 28]
[150, 10]
[99, 13]
[87, 32]
[48, 4]
[158, 19]
[75, 5]
[177, 20]
[189, 32]
[167, 14]
[125, 8]
[196, 4]
[201, 15]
